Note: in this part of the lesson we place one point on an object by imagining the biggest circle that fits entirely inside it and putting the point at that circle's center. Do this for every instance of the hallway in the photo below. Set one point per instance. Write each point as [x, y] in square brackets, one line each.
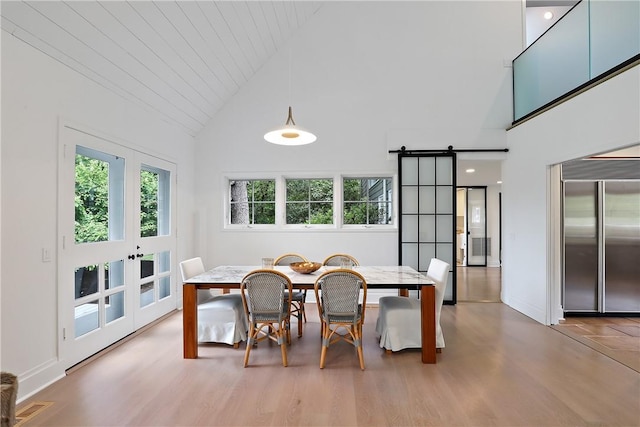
[479, 284]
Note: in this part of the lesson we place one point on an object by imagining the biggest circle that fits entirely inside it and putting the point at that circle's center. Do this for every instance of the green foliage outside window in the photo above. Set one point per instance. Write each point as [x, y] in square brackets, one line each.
[253, 201]
[367, 201]
[148, 203]
[91, 200]
[309, 201]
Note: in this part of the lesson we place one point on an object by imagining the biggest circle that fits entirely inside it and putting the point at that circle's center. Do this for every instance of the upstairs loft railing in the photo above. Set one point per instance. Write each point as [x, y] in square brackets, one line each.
[593, 41]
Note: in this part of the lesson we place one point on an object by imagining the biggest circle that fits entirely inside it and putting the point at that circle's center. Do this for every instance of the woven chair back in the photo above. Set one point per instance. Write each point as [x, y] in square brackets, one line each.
[340, 295]
[264, 295]
[287, 259]
[339, 259]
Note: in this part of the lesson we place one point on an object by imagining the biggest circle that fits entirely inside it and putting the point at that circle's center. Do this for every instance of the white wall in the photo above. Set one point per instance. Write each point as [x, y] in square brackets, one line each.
[367, 77]
[602, 119]
[36, 93]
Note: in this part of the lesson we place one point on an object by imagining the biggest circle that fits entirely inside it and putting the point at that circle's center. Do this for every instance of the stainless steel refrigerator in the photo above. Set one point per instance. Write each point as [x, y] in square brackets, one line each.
[601, 246]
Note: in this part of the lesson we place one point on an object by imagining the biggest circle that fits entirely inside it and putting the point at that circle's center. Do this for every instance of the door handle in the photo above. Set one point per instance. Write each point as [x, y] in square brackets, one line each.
[139, 255]
[131, 256]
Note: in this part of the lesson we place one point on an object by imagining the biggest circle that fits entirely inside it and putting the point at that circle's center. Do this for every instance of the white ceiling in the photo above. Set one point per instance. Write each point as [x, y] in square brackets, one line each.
[182, 60]
[487, 172]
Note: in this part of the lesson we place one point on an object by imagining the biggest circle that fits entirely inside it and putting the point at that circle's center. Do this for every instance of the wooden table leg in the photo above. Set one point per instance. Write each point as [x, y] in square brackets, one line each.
[189, 321]
[428, 315]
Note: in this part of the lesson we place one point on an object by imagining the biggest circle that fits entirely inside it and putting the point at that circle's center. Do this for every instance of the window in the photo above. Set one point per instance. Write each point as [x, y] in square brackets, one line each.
[367, 201]
[279, 202]
[309, 201]
[252, 201]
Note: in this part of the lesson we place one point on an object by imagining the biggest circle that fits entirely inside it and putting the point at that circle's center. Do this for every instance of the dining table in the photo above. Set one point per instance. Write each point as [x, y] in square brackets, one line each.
[377, 277]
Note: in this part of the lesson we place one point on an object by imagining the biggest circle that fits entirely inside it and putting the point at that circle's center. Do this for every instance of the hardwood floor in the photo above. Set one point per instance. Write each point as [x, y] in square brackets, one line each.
[616, 337]
[499, 368]
[479, 284]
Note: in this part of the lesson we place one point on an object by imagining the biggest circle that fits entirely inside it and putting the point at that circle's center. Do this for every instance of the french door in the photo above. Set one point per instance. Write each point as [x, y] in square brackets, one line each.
[116, 242]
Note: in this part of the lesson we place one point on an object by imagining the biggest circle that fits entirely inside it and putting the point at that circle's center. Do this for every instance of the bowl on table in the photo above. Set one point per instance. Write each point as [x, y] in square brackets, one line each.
[305, 267]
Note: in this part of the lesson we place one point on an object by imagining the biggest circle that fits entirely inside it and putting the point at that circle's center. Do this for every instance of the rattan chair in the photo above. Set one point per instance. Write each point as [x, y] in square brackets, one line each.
[398, 316]
[266, 308]
[299, 296]
[337, 295]
[221, 318]
[340, 259]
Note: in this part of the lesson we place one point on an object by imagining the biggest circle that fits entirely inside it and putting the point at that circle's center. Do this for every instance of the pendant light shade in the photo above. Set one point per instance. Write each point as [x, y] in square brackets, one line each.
[290, 134]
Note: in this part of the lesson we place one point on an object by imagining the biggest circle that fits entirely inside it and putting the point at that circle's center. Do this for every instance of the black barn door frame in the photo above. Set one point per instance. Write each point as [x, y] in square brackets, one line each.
[448, 152]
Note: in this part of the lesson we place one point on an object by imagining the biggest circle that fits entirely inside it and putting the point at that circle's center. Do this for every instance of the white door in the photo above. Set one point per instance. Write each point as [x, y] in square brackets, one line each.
[116, 242]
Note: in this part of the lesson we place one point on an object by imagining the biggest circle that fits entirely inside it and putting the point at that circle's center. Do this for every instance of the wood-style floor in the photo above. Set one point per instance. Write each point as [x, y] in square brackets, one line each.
[616, 337]
[499, 368]
[479, 284]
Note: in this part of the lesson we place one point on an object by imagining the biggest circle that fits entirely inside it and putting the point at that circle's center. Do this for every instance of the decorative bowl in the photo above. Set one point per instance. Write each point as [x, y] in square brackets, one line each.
[305, 267]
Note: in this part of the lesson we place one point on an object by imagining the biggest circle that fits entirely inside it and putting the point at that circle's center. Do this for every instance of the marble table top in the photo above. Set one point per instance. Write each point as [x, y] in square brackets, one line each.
[388, 276]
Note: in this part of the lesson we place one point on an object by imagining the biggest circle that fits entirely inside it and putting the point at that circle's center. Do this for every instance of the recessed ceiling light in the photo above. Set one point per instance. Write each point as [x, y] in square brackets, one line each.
[470, 170]
[548, 15]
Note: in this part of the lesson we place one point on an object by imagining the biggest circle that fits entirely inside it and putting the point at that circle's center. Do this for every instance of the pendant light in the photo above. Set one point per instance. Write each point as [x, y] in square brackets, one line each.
[290, 134]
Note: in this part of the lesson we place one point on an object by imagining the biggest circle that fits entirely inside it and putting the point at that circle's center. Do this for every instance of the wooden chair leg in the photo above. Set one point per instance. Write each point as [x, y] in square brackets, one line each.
[360, 355]
[248, 350]
[236, 345]
[323, 352]
[283, 345]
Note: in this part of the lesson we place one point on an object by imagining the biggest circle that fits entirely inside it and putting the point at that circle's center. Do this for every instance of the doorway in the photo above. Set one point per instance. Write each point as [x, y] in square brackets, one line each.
[478, 226]
[117, 242]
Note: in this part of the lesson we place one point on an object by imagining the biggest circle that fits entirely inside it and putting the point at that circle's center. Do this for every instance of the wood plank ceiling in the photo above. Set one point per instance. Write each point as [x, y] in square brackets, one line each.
[182, 60]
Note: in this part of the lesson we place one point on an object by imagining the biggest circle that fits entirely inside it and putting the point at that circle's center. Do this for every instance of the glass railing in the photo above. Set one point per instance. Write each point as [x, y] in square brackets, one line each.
[595, 38]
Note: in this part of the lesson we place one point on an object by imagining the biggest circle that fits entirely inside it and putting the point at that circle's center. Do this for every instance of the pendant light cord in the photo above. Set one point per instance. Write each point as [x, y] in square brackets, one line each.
[289, 81]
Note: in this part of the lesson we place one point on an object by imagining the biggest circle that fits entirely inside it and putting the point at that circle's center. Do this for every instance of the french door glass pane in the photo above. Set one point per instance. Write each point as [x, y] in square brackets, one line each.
[164, 287]
[99, 196]
[114, 274]
[164, 260]
[147, 294]
[155, 201]
[86, 318]
[146, 266]
[86, 279]
[114, 306]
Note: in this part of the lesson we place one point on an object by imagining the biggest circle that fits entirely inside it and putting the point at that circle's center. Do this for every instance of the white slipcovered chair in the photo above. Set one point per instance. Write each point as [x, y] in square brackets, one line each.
[221, 318]
[398, 324]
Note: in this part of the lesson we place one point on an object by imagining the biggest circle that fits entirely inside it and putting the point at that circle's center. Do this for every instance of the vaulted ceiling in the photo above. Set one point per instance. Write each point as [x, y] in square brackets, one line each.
[182, 60]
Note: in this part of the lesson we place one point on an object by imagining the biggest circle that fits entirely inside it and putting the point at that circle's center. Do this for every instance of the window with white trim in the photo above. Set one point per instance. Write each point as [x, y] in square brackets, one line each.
[309, 201]
[290, 202]
[252, 201]
[367, 201]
